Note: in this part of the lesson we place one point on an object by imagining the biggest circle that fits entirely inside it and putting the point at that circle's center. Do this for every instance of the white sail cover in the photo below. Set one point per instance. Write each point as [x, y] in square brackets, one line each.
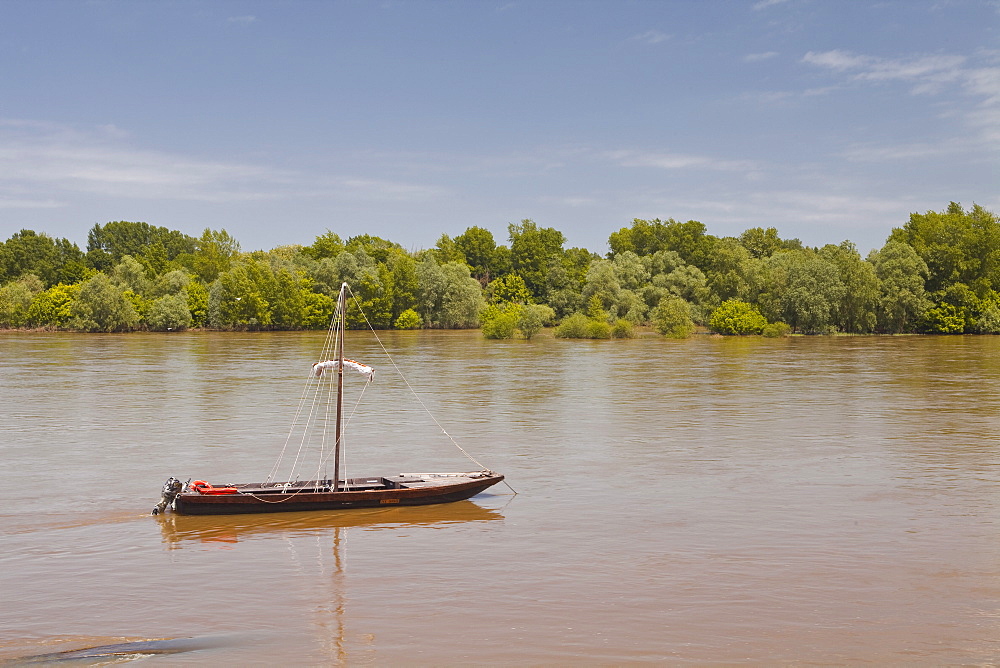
[319, 368]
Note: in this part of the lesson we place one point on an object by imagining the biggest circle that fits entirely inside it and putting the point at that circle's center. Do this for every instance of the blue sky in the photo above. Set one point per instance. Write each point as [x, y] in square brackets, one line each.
[278, 120]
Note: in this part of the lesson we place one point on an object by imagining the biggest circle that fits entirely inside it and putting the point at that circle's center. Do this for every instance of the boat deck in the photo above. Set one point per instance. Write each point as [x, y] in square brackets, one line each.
[362, 484]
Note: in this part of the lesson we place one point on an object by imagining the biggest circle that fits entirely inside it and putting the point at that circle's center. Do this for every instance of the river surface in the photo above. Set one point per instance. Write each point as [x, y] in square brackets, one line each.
[806, 501]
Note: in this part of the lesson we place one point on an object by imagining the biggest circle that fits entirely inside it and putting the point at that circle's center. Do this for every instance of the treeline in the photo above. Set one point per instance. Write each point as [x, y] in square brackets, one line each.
[938, 273]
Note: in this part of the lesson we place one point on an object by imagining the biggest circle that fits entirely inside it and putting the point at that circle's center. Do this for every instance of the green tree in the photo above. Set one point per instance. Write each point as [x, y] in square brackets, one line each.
[446, 251]
[288, 299]
[197, 302]
[51, 260]
[602, 285]
[761, 243]
[432, 284]
[329, 273]
[811, 290]
[690, 284]
[101, 306]
[595, 309]
[152, 246]
[317, 310]
[463, 297]
[646, 237]
[856, 311]
[405, 285]
[372, 301]
[902, 296]
[958, 246]
[774, 330]
[534, 251]
[376, 248]
[16, 298]
[479, 250]
[724, 270]
[130, 275]
[508, 289]
[573, 327]
[140, 304]
[214, 254]
[565, 280]
[672, 318]
[326, 245]
[170, 283]
[448, 296]
[169, 313]
[252, 295]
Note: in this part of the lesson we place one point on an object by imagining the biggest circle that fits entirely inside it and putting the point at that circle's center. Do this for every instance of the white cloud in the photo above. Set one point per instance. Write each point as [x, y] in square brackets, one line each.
[651, 37]
[984, 82]
[380, 189]
[837, 60]
[871, 153]
[929, 74]
[9, 202]
[764, 4]
[571, 201]
[678, 161]
[243, 20]
[757, 57]
[43, 164]
[937, 68]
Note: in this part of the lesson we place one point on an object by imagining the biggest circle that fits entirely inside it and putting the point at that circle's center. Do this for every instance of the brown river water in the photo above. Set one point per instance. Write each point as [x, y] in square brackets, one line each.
[804, 501]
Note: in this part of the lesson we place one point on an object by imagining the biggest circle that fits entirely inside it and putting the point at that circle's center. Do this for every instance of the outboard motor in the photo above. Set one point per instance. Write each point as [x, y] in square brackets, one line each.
[171, 488]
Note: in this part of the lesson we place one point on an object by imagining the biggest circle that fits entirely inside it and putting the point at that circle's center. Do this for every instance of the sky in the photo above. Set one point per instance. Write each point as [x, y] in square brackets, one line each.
[277, 121]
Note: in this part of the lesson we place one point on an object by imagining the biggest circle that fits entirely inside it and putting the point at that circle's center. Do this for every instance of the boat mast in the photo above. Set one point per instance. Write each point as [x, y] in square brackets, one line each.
[342, 310]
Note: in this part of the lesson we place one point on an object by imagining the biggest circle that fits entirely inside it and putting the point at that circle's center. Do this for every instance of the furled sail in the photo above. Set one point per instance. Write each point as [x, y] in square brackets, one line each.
[319, 368]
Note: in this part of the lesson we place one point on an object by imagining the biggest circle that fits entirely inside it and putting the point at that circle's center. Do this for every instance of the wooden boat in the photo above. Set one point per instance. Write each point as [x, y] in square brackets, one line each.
[333, 493]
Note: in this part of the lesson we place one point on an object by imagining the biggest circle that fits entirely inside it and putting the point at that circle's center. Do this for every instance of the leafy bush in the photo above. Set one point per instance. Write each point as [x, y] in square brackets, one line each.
[533, 318]
[672, 318]
[408, 319]
[777, 329]
[499, 322]
[623, 329]
[573, 327]
[598, 329]
[54, 307]
[579, 326]
[944, 319]
[989, 319]
[737, 317]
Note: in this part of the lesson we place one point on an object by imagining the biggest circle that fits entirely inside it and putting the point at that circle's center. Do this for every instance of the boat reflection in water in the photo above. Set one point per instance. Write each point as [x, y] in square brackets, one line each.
[231, 529]
[316, 542]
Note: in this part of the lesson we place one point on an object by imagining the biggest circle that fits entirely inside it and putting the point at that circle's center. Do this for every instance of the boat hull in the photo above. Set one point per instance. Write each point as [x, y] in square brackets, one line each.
[251, 499]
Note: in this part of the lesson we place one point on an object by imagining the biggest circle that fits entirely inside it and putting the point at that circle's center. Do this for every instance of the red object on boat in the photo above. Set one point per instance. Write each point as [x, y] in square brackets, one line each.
[205, 488]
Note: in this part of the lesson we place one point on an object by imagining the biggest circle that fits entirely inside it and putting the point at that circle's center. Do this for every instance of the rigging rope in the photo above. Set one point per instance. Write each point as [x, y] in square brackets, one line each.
[407, 383]
[329, 346]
